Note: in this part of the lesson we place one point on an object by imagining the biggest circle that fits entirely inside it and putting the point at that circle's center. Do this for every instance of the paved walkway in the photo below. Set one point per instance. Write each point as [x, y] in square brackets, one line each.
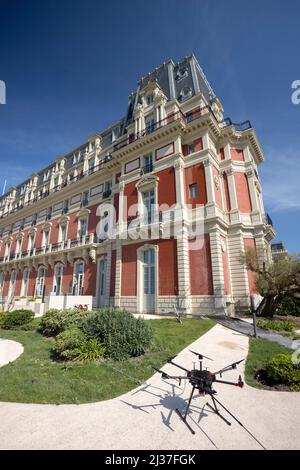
[145, 419]
[245, 327]
[9, 351]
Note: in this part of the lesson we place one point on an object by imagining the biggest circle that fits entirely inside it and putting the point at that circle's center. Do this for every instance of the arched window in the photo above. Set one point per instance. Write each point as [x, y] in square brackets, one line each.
[40, 280]
[78, 277]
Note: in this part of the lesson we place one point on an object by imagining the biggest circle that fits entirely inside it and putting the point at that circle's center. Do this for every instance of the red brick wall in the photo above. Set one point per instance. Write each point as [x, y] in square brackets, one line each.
[90, 279]
[67, 279]
[93, 219]
[222, 154]
[18, 284]
[167, 267]
[200, 268]
[242, 191]
[166, 187]
[195, 174]
[237, 154]
[130, 192]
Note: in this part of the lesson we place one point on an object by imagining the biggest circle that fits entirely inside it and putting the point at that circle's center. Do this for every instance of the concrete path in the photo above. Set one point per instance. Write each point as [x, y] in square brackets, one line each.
[145, 419]
[245, 326]
[9, 351]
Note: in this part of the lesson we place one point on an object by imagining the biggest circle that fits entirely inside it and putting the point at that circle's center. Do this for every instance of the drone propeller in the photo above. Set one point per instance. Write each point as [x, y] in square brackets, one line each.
[200, 356]
[227, 368]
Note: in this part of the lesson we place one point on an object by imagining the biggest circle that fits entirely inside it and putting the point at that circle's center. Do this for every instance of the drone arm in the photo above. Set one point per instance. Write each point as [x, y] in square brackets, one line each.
[176, 365]
[237, 384]
[228, 368]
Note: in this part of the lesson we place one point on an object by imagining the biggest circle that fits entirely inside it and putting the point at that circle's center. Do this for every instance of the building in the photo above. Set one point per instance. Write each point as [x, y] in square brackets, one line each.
[60, 246]
[278, 251]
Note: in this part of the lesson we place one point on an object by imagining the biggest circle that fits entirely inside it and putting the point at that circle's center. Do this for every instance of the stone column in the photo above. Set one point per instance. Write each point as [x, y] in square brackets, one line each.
[108, 275]
[256, 216]
[183, 263]
[217, 270]
[234, 213]
[179, 181]
[238, 272]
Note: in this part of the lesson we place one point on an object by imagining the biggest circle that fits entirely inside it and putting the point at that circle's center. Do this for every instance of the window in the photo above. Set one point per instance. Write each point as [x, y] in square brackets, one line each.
[193, 190]
[82, 228]
[63, 232]
[91, 165]
[189, 117]
[77, 288]
[65, 207]
[190, 148]
[49, 213]
[25, 281]
[150, 125]
[2, 277]
[7, 250]
[31, 242]
[148, 167]
[85, 198]
[18, 248]
[40, 280]
[149, 99]
[148, 202]
[46, 234]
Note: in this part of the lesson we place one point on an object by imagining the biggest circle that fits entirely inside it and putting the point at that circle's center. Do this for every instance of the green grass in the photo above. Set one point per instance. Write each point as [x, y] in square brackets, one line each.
[36, 378]
[260, 352]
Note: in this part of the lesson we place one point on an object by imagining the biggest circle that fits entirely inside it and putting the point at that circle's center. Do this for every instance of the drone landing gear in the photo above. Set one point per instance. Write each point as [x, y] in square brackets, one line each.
[183, 417]
[215, 410]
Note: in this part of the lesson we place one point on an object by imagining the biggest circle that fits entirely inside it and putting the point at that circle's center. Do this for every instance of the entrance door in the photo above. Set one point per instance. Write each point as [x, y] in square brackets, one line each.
[102, 283]
[149, 280]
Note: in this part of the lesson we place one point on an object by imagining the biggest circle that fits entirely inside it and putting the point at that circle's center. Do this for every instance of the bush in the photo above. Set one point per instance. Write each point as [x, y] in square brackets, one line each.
[55, 321]
[288, 306]
[17, 318]
[67, 342]
[281, 369]
[276, 325]
[2, 318]
[119, 331]
[89, 350]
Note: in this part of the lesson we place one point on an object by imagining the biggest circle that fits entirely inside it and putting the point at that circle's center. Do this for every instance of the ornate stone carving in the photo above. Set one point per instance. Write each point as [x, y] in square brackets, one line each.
[93, 255]
[217, 181]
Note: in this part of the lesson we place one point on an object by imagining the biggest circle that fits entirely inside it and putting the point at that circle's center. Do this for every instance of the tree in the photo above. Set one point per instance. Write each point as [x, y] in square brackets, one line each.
[275, 281]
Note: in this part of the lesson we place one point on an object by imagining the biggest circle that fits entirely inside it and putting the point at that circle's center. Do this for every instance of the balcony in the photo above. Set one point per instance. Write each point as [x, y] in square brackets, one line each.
[178, 116]
[147, 169]
[49, 249]
[65, 183]
[268, 220]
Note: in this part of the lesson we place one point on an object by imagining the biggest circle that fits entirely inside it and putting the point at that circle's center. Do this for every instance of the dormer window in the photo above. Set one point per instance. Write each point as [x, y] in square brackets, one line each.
[74, 160]
[185, 93]
[149, 99]
[182, 72]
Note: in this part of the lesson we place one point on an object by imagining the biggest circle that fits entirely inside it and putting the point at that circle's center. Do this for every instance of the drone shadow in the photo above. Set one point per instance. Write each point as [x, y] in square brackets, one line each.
[170, 402]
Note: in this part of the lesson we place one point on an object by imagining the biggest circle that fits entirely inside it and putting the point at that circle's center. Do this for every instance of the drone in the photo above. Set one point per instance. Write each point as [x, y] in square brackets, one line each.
[203, 380]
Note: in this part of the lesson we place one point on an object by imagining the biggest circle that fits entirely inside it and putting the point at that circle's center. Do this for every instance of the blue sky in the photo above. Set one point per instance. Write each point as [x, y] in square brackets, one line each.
[69, 67]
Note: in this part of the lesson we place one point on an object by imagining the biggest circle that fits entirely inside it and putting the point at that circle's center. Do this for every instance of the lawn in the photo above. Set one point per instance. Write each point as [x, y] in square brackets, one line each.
[36, 378]
[260, 352]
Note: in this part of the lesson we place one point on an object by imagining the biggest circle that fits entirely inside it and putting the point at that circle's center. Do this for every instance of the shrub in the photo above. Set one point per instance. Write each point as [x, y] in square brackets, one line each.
[2, 318]
[67, 342]
[55, 321]
[119, 331]
[17, 318]
[281, 369]
[288, 306]
[276, 325]
[89, 350]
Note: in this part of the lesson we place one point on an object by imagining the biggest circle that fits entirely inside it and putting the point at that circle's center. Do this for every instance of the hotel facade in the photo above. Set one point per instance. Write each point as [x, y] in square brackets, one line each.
[114, 222]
